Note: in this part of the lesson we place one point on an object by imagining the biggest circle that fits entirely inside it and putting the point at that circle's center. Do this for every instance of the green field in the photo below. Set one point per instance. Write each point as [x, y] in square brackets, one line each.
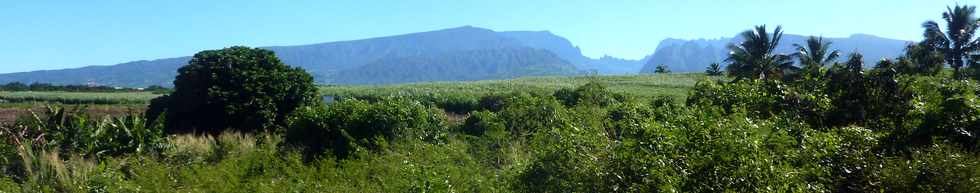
[76, 97]
[674, 85]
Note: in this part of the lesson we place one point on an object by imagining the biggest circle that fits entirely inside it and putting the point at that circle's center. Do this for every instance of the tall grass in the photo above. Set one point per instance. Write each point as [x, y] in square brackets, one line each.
[77, 97]
[644, 86]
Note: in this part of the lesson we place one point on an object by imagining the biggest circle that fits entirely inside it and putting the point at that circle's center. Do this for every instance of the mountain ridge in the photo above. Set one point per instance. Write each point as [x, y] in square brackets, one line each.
[333, 62]
[324, 60]
[695, 55]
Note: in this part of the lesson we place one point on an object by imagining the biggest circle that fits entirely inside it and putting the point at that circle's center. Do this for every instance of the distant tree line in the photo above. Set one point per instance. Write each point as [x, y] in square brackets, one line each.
[19, 86]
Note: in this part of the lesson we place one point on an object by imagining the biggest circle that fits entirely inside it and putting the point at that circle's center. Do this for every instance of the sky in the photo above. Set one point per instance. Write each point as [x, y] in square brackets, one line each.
[56, 34]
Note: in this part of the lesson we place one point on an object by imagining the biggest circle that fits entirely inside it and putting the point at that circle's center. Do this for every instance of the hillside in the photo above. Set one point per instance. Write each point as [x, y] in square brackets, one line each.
[455, 66]
[571, 53]
[695, 55]
[327, 61]
[430, 56]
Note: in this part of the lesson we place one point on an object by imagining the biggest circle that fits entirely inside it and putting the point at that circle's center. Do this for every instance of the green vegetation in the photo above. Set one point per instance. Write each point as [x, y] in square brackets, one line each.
[238, 87]
[756, 58]
[63, 97]
[19, 86]
[815, 55]
[957, 43]
[838, 129]
[713, 70]
[466, 94]
[748, 136]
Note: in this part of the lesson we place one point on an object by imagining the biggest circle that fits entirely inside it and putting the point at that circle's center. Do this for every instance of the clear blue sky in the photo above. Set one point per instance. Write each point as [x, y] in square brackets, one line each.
[61, 34]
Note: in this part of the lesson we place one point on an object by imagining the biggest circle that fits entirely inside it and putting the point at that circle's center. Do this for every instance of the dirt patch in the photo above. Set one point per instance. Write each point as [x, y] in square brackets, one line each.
[454, 118]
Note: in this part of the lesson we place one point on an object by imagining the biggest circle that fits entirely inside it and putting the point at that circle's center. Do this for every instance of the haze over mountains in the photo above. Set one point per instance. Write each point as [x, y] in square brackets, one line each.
[463, 53]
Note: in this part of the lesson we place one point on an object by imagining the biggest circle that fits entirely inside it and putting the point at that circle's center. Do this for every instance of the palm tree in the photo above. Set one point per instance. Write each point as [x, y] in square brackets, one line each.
[957, 43]
[713, 70]
[815, 55]
[754, 57]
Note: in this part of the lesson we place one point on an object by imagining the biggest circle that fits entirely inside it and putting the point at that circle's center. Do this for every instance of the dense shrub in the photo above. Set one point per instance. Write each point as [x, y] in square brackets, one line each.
[938, 168]
[238, 88]
[482, 122]
[524, 114]
[490, 141]
[73, 130]
[349, 125]
[565, 159]
[492, 102]
[590, 94]
[952, 113]
[455, 103]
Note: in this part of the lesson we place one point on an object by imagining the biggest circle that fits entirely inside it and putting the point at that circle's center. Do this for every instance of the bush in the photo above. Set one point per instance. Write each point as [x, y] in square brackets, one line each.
[846, 159]
[590, 94]
[525, 114]
[482, 122]
[938, 168]
[565, 159]
[349, 125]
[234, 88]
[954, 114]
[492, 102]
[455, 103]
[72, 130]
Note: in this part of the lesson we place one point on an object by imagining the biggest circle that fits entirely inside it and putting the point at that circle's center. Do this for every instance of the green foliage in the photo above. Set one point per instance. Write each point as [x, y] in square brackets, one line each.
[19, 86]
[713, 70]
[591, 94]
[524, 114]
[919, 59]
[894, 128]
[350, 125]
[491, 141]
[483, 122]
[938, 168]
[80, 98]
[234, 88]
[957, 44]
[72, 130]
[755, 58]
[640, 86]
[815, 55]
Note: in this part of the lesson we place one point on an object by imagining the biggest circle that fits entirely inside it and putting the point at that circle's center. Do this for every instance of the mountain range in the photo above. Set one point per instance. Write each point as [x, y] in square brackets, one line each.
[462, 53]
[695, 55]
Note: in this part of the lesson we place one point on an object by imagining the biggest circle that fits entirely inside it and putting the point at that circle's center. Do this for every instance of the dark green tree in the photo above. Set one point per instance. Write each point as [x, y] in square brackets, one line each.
[755, 57]
[662, 69]
[815, 55]
[920, 59]
[242, 88]
[713, 70]
[957, 42]
[847, 88]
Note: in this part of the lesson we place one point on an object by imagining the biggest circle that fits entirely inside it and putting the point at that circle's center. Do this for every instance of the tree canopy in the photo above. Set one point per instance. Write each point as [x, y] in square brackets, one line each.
[756, 58]
[244, 88]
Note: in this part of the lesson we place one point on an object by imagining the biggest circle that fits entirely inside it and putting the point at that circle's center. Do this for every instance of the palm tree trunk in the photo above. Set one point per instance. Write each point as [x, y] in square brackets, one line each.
[957, 64]
[956, 73]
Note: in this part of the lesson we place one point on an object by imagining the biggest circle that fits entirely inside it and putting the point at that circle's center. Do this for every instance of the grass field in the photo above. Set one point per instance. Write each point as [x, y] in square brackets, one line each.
[76, 97]
[674, 85]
